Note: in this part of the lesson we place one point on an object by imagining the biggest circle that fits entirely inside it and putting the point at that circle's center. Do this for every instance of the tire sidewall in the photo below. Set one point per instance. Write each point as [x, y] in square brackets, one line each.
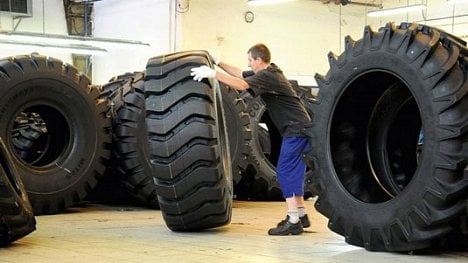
[223, 143]
[236, 132]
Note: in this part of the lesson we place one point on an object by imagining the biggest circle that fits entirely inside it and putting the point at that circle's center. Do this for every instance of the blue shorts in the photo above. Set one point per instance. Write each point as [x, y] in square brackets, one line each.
[291, 168]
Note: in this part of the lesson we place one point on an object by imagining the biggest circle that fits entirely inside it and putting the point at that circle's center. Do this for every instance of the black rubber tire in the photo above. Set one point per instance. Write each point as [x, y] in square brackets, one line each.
[457, 240]
[372, 103]
[16, 215]
[130, 152]
[74, 156]
[188, 143]
[260, 176]
[239, 133]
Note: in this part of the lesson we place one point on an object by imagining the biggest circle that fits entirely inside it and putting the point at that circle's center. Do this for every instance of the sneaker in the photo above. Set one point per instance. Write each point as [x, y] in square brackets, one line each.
[304, 221]
[286, 229]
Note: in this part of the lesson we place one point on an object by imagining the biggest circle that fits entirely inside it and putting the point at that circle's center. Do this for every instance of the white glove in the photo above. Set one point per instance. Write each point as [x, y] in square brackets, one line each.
[202, 72]
[214, 58]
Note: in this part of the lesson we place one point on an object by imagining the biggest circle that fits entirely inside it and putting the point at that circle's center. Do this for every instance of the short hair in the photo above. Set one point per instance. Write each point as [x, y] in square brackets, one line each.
[260, 51]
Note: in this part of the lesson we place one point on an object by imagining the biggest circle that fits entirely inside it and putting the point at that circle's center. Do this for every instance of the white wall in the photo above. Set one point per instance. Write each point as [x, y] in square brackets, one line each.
[48, 17]
[300, 33]
[148, 21]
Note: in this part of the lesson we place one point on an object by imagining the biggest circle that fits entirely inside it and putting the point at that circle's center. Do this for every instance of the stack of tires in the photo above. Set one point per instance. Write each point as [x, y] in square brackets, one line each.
[390, 139]
[170, 142]
[170, 146]
[158, 133]
[130, 169]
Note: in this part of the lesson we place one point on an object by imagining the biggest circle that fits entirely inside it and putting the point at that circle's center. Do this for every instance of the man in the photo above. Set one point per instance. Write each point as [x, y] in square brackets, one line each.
[289, 115]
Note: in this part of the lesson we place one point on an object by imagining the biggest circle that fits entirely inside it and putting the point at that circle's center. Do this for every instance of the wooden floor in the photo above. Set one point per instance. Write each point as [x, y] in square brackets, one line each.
[103, 233]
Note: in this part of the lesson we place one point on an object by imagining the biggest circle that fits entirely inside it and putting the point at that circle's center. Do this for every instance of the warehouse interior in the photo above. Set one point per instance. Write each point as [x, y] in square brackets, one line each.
[110, 51]
[169, 26]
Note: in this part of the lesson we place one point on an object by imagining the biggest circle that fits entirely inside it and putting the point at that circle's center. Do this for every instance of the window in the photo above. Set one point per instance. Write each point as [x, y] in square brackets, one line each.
[16, 7]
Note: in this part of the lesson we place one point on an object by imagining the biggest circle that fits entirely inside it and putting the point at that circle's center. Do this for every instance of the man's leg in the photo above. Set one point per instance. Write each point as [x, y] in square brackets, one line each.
[290, 172]
[301, 211]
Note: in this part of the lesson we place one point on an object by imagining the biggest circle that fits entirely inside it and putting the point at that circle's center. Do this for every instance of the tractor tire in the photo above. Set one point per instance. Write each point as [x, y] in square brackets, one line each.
[188, 143]
[239, 133]
[377, 99]
[73, 152]
[260, 176]
[130, 152]
[16, 215]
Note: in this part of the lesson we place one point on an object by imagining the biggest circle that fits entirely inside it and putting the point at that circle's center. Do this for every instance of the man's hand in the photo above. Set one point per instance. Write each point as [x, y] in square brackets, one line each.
[202, 72]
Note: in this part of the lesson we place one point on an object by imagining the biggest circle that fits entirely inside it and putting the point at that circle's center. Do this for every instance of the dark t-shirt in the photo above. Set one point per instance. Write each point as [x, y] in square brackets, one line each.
[284, 106]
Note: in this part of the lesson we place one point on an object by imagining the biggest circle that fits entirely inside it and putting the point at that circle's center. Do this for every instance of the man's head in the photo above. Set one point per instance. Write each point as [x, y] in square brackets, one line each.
[259, 57]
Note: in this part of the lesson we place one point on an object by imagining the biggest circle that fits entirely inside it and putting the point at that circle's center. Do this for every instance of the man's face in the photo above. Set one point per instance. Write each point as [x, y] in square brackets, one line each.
[253, 63]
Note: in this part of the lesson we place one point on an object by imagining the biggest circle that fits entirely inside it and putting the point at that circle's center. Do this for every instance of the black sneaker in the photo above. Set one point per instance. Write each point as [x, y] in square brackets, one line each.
[286, 229]
[304, 221]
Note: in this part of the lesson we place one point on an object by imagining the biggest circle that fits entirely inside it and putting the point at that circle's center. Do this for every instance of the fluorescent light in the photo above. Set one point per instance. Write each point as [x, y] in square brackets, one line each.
[396, 10]
[266, 2]
[71, 42]
[453, 2]
[20, 46]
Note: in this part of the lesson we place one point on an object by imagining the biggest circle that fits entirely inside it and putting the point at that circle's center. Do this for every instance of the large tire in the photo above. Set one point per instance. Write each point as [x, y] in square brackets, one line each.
[73, 154]
[260, 176]
[239, 133]
[16, 215]
[131, 161]
[376, 98]
[188, 143]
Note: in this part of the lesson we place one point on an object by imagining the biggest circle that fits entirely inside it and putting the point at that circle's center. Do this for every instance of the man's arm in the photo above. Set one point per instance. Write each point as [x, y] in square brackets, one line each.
[230, 69]
[234, 82]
